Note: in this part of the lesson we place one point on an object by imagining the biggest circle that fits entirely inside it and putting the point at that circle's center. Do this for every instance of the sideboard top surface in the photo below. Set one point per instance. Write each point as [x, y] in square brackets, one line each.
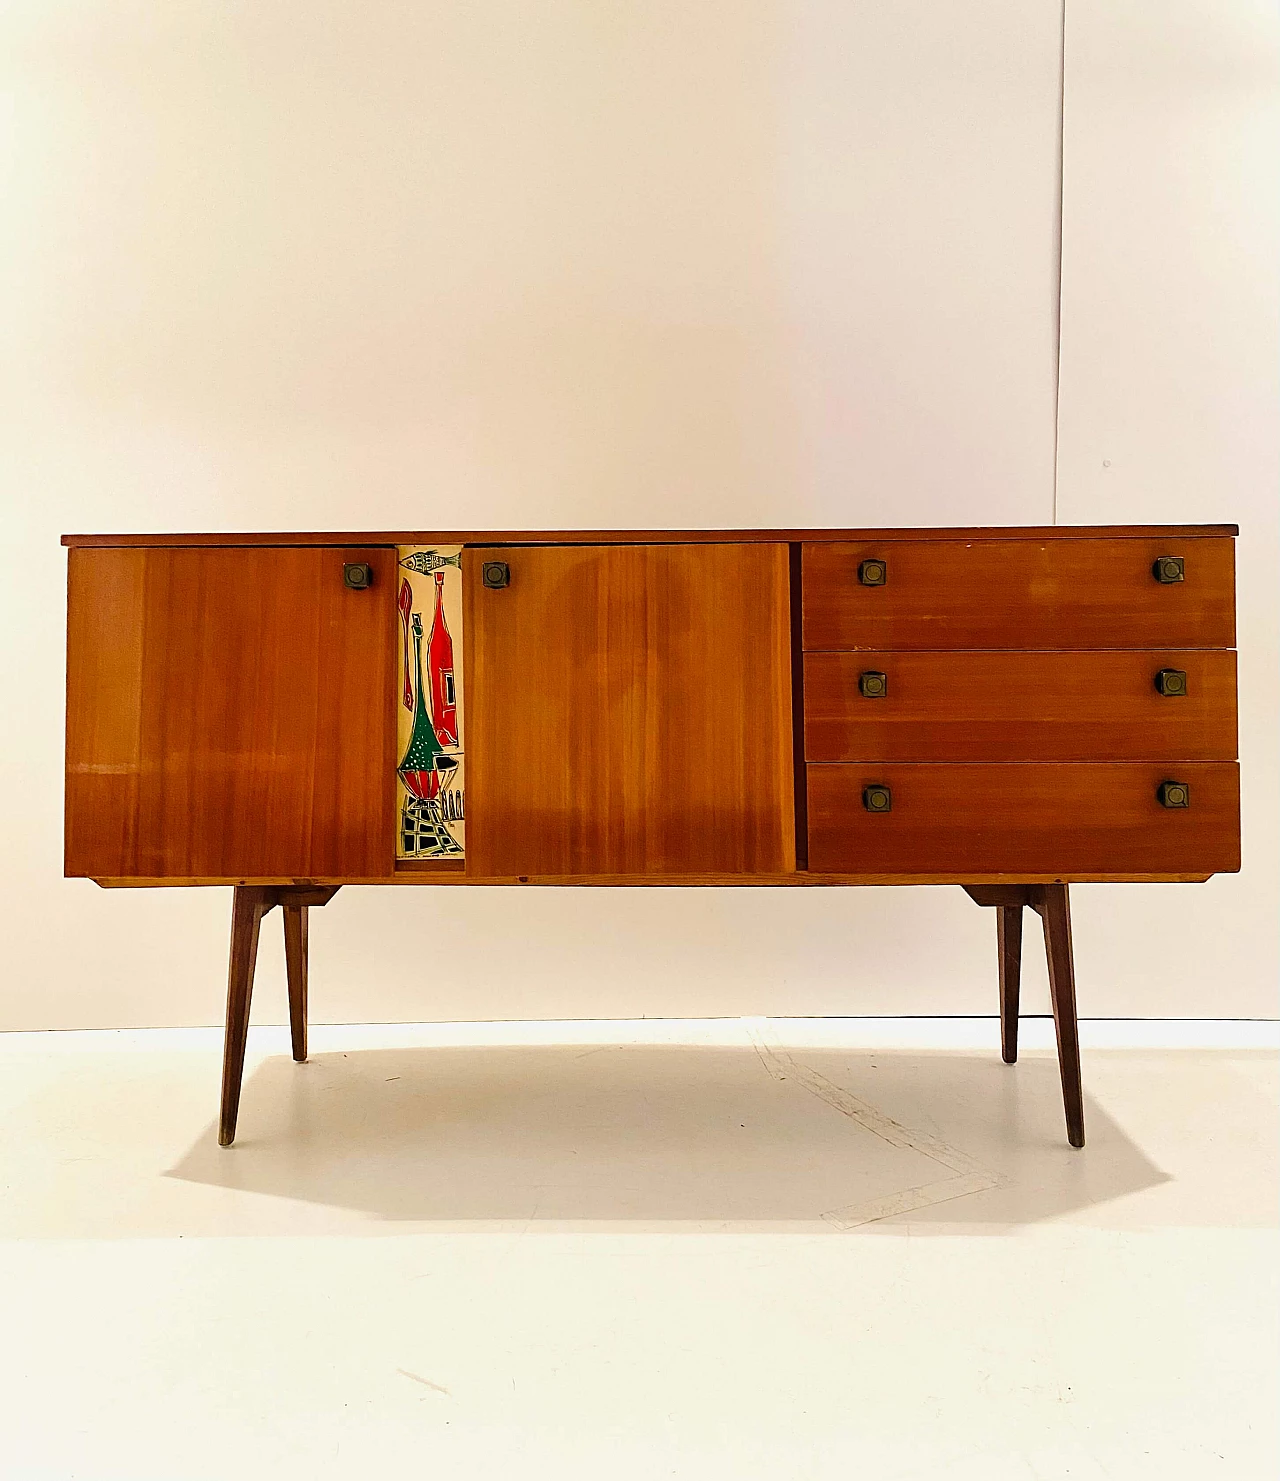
[656, 537]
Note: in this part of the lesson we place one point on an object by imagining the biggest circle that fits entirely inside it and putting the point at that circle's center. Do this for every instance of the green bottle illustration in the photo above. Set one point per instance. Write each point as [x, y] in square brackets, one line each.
[418, 768]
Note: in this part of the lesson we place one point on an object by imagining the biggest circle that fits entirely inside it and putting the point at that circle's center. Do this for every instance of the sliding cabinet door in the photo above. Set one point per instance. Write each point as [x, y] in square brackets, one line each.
[629, 710]
[230, 714]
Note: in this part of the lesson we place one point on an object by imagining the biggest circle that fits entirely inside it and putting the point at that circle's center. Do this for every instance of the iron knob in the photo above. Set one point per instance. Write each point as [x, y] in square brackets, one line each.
[1172, 682]
[873, 685]
[495, 575]
[877, 798]
[873, 573]
[357, 575]
[1168, 569]
[1173, 794]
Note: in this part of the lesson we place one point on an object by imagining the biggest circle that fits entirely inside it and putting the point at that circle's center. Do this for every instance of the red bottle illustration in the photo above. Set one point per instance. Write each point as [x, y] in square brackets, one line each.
[405, 605]
[444, 699]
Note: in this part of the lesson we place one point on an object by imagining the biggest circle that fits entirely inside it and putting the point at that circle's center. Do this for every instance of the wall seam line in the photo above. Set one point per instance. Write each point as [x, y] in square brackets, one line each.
[1057, 325]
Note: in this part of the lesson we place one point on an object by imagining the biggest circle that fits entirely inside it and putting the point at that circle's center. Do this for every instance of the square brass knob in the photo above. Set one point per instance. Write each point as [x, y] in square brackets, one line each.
[873, 685]
[1168, 569]
[873, 573]
[1172, 682]
[357, 575]
[1174, 794]
[877, 798]
[495, 575]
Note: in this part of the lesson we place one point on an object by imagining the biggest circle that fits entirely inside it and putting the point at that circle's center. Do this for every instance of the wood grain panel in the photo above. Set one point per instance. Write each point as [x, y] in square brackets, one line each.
[643, 537]
[106, 623]
[793, 879]
[1068, 820]
[990, 706]
[630, 711]
[229, 714]
[1033, 593]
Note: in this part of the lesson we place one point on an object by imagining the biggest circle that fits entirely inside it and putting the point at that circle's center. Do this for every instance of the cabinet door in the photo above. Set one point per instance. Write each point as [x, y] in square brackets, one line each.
[630, 711]
[228, 714]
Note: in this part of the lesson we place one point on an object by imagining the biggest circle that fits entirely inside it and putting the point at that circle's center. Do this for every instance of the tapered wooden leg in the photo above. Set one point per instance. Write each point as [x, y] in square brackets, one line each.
[1055, 911]
[249, 906]
[295, 961]
[1009, 945]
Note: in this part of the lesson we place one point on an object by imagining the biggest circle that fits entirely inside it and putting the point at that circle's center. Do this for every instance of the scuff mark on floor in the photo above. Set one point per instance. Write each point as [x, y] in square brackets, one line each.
[426, 1382]
[968, 1175]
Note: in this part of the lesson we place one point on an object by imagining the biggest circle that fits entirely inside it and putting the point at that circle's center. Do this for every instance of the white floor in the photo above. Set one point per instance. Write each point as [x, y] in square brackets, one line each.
[784, 1249]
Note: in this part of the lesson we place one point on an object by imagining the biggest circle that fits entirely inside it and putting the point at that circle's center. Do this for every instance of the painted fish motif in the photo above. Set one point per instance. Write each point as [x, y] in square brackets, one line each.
[425, 561]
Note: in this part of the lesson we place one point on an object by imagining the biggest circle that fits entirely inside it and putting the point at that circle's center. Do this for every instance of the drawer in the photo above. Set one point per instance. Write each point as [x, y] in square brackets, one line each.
[1070, 820]
[991, 706]
[1060, 593]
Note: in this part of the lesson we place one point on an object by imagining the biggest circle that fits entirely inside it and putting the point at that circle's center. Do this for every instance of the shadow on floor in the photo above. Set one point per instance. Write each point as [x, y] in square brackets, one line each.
[671, 1136]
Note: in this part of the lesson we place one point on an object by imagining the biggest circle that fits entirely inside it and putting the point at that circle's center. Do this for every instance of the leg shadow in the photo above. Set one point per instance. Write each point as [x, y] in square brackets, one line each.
[671, 1135]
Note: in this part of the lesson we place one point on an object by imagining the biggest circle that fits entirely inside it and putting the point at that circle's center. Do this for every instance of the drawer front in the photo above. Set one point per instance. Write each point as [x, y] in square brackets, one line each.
[1070, 820]
[991, 706]
[1088, 593]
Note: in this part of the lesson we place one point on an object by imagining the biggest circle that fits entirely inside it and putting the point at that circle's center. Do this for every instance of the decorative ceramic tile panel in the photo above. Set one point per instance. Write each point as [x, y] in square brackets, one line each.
[430, 781]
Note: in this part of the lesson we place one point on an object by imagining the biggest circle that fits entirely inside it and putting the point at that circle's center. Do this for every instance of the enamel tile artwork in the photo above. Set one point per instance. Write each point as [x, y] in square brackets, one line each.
[429, 779]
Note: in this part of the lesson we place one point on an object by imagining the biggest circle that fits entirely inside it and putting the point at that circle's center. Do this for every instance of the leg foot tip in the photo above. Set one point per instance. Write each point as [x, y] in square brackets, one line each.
[1076, 1138]
[1010, 1056]
[225, 1138]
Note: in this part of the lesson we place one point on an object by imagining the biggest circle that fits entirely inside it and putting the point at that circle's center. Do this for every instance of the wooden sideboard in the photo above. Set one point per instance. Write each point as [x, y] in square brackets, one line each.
[1007, 710]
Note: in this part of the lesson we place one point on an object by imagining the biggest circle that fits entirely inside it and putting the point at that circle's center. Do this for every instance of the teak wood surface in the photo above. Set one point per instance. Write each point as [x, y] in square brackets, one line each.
[641, 537]
[231, 719]
[630, 711]
[992, 706]
[1072, 819]
[228, 714]
[803, 879]
[249, 904]
[650, 708]
[1030, 593]
[1053, 904]
[1009, 952]
[296, 934]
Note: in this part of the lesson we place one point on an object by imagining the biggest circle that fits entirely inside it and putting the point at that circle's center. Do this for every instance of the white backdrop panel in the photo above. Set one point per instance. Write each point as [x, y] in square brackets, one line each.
[1170, 412]
[508, 264]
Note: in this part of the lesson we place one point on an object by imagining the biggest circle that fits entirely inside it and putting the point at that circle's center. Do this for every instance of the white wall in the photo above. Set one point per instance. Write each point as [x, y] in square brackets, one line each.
[513, 264]
[1170, 410]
